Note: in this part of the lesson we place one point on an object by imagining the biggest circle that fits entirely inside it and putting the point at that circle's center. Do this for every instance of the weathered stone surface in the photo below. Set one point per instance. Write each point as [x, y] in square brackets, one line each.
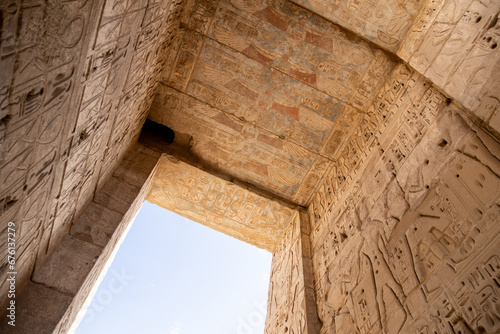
[280, 80]
[384, 22]
[403, 243]
[239, 148]
[115, 194]
[40, 309]
[219, 204]
[71, 272]
[454, 44]
[296, 42]
[67, 115]
[73, 257]
[379, 117]
[100, 220]
[71, 318]
[290, 307]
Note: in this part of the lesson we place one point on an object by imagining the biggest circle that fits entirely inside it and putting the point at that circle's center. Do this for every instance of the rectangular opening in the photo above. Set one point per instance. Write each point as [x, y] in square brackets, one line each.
[172, 275]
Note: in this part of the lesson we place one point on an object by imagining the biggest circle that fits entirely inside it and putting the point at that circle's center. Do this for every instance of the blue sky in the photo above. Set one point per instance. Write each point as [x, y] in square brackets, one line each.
[174, 276]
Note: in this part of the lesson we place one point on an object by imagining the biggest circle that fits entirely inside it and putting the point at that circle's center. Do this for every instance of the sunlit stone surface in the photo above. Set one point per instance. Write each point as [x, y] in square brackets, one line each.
[357, 140]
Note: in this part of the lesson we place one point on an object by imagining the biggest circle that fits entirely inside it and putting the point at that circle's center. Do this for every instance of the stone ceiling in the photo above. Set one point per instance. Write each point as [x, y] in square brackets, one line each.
[267, 91]
[271, 92]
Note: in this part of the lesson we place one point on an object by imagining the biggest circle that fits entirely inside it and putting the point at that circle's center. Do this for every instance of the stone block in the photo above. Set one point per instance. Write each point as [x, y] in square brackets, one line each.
[96, 224]
[68, 267]
[137, 165]
[38, 310]
[117, 195]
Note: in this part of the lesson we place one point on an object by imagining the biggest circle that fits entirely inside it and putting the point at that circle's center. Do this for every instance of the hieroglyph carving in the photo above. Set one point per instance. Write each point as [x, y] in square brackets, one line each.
[39, 57]
[281, 76]
[64, 74]
[219, 204]
[384, 22]
[407, 249]
[454, 44]
[286, 307]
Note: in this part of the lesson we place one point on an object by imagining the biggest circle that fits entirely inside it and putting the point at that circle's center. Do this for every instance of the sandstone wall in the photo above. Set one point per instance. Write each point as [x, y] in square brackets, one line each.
[76, 81]
[59, 292]
[291, 307]
[455, 45]
[351, 120]
[409, 241]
